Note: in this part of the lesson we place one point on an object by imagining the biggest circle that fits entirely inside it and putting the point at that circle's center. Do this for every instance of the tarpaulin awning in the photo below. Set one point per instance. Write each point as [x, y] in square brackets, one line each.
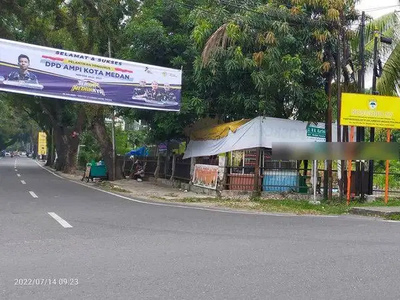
[260, 132]
[142, 151]
[218, 131]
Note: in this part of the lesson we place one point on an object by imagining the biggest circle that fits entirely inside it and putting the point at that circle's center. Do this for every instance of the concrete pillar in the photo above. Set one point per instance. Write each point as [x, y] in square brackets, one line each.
[222, 171]
[192, 163]
[173, 166]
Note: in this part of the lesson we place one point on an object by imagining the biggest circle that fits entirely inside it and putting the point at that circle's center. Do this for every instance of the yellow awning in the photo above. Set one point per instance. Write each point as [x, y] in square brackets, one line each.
[218, 131]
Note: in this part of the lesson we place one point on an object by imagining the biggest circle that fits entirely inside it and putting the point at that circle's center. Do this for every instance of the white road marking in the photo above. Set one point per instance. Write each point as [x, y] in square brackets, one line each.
[19, 175]
[63, 223]
[16, 170]
[23, 182]
[33, 194]
[49, 170]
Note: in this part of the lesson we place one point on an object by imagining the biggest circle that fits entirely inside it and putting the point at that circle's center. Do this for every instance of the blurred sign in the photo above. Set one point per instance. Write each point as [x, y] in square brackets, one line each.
[162, 147]
[205, 176]
[370, 111]
[335, 151]
[42, 143]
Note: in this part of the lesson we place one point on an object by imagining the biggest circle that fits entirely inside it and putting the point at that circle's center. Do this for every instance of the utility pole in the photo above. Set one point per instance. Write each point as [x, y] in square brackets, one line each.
[361, 84]
[339, 104]
[112, 124]
[388, 41]
[329, 137]
[372, 129]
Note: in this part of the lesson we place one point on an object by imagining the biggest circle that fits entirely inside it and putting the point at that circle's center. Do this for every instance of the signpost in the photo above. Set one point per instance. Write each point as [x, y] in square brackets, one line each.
[320, 133]
[349, 167]
[371, 111]
[316, 132]
[42, 143]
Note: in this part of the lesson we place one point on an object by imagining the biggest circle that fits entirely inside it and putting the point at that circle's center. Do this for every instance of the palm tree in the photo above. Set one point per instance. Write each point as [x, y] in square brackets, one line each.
[388, 26]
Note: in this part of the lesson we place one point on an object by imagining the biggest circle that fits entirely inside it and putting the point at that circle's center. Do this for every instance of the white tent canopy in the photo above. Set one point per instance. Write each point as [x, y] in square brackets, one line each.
[259, 132]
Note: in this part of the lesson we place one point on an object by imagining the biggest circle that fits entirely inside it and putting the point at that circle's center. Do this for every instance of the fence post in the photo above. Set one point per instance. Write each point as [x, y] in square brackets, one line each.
[192, 163]
[157, 171]
[222, 163]
[173, 166]
[166, 162]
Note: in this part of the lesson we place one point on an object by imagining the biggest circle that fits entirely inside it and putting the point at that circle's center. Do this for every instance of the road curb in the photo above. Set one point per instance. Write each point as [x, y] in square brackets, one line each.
[371, 212]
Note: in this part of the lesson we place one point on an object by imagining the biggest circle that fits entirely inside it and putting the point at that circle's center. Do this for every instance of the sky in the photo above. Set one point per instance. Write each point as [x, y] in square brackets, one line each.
[376, 9]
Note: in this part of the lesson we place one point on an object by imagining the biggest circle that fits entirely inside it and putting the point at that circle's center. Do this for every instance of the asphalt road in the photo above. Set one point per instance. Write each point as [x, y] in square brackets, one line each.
[106, 247]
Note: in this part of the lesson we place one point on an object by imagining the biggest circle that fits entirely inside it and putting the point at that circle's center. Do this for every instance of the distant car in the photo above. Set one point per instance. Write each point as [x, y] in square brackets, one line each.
[8, 153]
[23, 153]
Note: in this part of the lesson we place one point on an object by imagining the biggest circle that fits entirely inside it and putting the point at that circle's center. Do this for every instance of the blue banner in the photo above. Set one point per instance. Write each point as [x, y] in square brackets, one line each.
[41, 71]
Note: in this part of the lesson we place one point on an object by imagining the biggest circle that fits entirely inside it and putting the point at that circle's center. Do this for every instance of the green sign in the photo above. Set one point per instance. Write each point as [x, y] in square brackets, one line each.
[316, 132]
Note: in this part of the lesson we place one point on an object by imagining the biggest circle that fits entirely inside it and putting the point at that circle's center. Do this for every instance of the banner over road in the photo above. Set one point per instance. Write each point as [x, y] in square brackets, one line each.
[48, 72]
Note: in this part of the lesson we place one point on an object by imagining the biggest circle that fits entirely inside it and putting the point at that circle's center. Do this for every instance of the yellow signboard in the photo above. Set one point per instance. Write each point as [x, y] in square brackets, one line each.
[42, 143]
[370, 111]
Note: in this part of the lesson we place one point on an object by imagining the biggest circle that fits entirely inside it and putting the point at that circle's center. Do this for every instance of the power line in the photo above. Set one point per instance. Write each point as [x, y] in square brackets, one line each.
[272, 17]
[277, 18]
[380, 8]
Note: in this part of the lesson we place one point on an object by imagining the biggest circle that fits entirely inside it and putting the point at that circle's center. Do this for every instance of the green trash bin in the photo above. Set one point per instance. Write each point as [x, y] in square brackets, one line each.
[303, 188]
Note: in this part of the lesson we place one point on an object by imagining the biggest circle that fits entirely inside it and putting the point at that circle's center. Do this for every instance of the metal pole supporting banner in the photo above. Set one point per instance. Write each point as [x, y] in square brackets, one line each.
[361, 82]
[339, 105]
[112, 126]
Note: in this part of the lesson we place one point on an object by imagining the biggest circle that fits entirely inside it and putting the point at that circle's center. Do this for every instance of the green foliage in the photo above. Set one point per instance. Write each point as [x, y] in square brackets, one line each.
[160, 35]
[256, 67]
[16, 127]
[240, 59]
[89, 149]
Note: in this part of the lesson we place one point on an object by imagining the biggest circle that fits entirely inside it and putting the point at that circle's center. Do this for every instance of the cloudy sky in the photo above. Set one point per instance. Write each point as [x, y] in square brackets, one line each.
[377, 8]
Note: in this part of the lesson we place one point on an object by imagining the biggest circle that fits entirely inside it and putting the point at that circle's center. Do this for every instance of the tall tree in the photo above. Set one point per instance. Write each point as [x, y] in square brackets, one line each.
[161, 35]
[271, 55]
[96, 24]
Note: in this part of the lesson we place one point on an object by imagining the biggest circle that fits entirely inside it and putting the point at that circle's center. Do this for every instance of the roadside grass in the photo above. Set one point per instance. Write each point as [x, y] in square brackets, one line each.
[391, 202]
[111, 187]
[282, 206]
[395, 217]
[298, 207]
[334, 207]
